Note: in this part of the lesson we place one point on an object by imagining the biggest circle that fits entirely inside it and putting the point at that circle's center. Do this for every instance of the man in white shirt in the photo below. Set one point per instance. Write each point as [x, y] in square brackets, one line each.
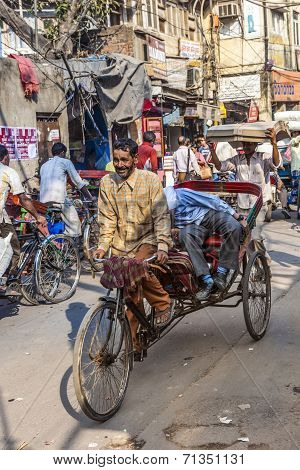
[10, 182]
[185, 161]
[255, 167]
[53, 187]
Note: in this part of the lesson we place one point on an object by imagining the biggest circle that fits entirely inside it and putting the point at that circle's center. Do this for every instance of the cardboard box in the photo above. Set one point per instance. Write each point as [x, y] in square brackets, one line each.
[247, 132]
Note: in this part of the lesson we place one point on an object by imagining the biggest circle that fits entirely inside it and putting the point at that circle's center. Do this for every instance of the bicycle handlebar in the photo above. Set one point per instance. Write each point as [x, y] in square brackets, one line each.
[19, 222]
[148, 260]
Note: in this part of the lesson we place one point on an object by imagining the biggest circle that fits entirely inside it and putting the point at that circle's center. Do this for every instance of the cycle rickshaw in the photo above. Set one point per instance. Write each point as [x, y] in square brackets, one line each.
[103, 353]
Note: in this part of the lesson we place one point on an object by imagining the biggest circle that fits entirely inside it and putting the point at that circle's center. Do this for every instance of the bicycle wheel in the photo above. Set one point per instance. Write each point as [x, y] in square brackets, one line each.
[102, 361]
[257, 295]
[28, 286]
[90, 241]
[57, 268]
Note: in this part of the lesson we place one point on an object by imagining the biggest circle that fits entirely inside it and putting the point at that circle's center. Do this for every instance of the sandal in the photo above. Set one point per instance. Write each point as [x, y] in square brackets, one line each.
[164, 317]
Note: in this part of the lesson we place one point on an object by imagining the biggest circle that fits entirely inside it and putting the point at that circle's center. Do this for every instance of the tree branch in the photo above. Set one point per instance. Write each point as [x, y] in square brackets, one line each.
[22, 29]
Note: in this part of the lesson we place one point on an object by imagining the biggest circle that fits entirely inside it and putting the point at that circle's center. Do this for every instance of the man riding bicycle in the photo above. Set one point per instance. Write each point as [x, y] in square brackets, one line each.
[53, 187]
[135, 222]
[10, 182]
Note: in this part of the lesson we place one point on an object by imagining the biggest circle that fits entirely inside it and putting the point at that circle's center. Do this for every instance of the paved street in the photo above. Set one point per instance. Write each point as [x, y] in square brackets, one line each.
[201, 372]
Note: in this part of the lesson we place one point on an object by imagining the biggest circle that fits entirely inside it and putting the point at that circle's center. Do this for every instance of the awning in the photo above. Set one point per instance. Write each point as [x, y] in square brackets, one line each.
[119, 83]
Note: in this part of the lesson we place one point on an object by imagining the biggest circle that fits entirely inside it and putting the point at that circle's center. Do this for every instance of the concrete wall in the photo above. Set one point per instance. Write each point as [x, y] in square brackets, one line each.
[17, 111]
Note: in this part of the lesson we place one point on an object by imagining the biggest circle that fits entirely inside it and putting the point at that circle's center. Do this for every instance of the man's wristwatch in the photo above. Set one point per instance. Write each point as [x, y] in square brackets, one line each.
[240, 218]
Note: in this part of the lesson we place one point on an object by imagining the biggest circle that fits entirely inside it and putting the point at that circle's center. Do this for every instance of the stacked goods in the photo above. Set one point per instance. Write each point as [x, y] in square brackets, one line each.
[291, 117]
[247, 132]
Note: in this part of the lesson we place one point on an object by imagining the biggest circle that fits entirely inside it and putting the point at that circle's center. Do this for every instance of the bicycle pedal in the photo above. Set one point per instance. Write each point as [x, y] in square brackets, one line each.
[138, 356]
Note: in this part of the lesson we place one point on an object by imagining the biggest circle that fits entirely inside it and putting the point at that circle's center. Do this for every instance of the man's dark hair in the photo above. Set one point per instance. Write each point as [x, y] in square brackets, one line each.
[3, 152]
[58, 148]
[149, 136]
[126, 145]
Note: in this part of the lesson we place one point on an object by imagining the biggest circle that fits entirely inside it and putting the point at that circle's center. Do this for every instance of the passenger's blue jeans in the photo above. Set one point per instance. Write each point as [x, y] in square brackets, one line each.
[192, 237]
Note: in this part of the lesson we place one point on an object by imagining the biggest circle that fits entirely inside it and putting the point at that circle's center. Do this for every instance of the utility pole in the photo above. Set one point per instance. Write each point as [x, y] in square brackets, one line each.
[36, 34]
[213, 65]
[266, 74]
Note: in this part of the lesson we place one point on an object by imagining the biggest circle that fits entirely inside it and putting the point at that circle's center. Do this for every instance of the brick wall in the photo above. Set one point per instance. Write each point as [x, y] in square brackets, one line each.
[118, 40]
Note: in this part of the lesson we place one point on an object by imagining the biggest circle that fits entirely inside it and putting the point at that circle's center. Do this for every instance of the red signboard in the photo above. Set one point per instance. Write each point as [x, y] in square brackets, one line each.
[157, 57]
[155, 125]
[21, 142]
[253, 114]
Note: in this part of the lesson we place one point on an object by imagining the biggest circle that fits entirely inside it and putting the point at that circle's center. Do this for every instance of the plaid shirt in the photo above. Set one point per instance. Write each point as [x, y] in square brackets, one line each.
[133, 212]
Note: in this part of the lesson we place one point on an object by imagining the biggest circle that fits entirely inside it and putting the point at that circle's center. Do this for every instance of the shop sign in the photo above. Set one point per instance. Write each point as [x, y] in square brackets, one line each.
[177, 73]
[54, 135]
[21, 142]
[237, 88]
[286, 86]
[208, 112]
[191, 112]
[253, 112]
[252, 20]
[223, 111]
[189, 49]
[157, 57]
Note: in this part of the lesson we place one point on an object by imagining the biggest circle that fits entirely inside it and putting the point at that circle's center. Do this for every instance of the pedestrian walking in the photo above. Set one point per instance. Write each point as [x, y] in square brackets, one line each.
[185, 163]
[203, 147]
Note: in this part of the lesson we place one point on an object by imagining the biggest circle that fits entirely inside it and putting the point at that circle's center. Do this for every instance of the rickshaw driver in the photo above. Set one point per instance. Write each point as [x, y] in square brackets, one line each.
[198, 215]
[253, 166]
[135, 222]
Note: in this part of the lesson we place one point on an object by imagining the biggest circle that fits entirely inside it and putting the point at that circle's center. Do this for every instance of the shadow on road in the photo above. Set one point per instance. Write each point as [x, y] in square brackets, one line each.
[6, 442]
[7, 309]
[75, 314]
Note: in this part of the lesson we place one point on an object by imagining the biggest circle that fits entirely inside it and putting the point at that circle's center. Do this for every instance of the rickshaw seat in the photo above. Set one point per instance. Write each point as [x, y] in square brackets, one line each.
[213, 241]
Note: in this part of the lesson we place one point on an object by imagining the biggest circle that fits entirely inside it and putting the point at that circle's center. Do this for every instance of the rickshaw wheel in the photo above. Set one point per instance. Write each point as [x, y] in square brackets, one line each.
[257, 295]
[102, 361]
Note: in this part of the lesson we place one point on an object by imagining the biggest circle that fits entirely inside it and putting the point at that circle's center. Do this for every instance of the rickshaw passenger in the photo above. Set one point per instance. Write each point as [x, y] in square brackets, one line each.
[135, 222]
[253, 166]
[198, 215]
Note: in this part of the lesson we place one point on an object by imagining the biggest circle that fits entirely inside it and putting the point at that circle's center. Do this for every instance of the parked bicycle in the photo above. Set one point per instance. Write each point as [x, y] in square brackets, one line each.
[87, 211]
[49, 266]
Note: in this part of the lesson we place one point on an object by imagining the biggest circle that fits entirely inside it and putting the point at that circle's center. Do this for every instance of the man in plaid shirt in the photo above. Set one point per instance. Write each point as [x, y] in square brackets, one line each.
[135, 222]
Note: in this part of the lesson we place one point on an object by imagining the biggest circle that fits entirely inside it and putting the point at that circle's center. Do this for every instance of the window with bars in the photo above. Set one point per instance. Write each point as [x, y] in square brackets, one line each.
[278, 23]
[172, 20]
[151, 16]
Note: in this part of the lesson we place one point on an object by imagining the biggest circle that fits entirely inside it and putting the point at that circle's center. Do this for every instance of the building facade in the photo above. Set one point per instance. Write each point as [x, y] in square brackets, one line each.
[258, 51]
